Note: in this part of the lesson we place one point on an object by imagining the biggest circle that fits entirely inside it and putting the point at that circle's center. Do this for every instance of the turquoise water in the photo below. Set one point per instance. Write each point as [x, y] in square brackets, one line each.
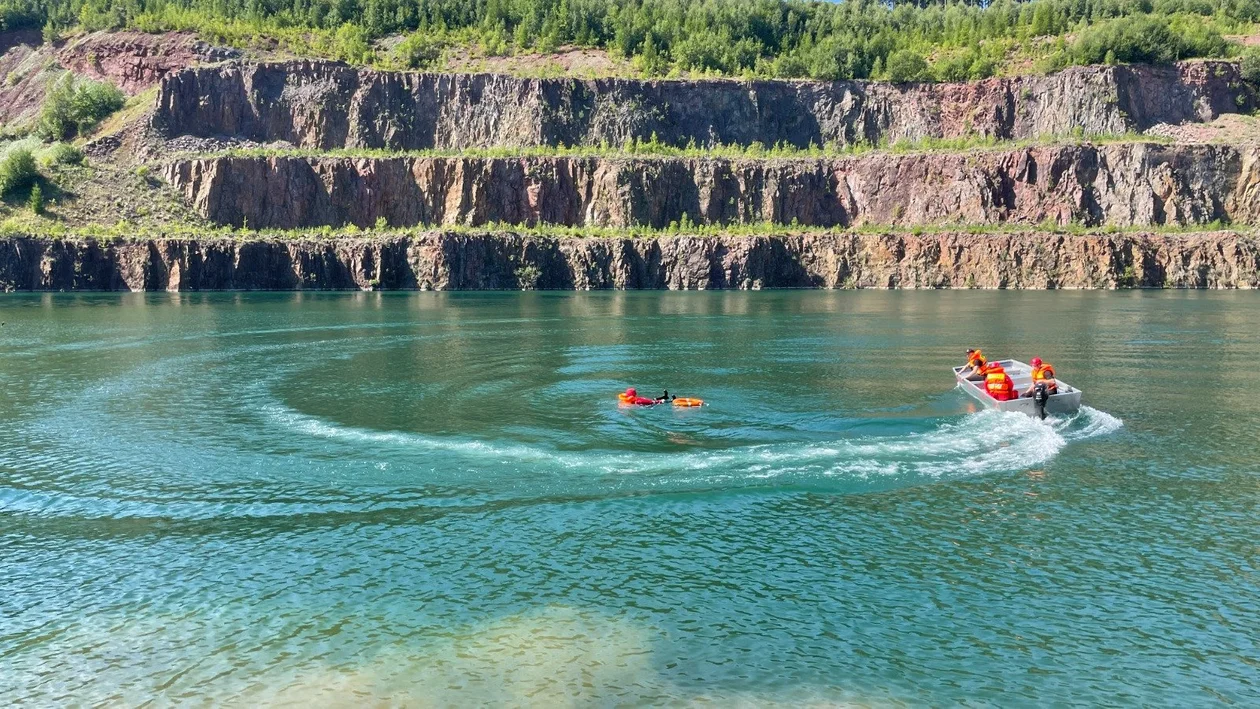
[433, 499]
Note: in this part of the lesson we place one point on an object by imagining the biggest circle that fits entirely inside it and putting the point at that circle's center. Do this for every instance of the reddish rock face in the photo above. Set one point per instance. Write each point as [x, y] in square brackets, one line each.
[448, 261]
[327, 105]
[1132, 184]
[135, 61]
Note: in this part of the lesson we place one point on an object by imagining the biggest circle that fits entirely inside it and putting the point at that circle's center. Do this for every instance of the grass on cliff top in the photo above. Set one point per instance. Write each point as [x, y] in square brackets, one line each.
[654, 147]
[37, 226]
[895, 41]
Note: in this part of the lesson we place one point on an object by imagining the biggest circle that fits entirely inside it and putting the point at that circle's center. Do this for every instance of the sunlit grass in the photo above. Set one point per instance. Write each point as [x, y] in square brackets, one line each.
[654, 147]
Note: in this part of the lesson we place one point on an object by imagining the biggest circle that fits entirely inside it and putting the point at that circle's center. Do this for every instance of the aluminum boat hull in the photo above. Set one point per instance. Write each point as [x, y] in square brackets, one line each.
[1066, 401]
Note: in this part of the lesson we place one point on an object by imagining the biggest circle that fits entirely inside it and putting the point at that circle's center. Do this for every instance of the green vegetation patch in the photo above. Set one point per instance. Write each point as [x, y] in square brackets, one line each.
[654, 147]
[75, 105]
[898, 41]
[34, 225]
[18, 170]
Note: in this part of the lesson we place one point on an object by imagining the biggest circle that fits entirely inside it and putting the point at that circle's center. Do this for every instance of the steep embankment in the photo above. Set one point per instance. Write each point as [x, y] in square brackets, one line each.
[321, 106]
[1129, 184]
[326, 105]
[449, 261]
[132, 61]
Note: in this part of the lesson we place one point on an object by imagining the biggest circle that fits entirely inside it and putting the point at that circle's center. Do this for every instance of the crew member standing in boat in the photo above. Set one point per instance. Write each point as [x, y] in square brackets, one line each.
[974, 371]
[1042, 374]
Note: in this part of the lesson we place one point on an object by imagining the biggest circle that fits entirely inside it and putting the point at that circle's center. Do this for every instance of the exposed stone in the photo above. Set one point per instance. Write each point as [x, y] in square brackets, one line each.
[330, 105]
[1122, 184]
[135, 61]
[453, 261]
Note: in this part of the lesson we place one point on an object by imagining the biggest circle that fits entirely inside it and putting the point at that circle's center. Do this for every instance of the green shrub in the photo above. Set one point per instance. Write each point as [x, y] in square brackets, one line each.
[955, 66]
[74, 106]
[351, 44]
[1144, 38]
[650, 61]
[61, 154]
[905, 65]
[982, 68]
[17, 169]
[1198, 39]
[420, 50]
[1057, 60]
[962, 65]
[36, 199]
[527, 276]
[793, 66]
[1189, 7]
[1249, 65]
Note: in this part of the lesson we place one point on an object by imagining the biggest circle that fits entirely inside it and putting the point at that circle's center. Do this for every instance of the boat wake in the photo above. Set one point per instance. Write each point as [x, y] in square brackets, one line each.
[251, 468]
[980, 443]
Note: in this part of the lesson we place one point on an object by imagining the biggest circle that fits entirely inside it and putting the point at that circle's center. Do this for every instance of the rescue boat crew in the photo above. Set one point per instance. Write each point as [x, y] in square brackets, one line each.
[1042, 373]
[998, 383]
[974, 370]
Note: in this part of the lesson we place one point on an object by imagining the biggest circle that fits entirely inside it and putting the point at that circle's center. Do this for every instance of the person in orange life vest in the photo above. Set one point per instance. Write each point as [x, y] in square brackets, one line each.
[998, 383]
[1042, 373]
[974, 370]
[632, 397]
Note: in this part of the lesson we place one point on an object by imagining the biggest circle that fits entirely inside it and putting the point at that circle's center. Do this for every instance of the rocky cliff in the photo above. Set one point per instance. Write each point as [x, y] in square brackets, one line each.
[1120, 184]
[329, 105]
[450, 261]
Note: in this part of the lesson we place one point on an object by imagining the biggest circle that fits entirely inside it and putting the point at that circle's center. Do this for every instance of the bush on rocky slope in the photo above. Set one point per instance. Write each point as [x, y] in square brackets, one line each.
[74, 106]
[17, 169]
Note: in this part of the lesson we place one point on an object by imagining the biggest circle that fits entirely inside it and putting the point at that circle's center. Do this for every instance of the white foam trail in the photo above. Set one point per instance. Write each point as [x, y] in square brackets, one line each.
[977, 444]
[322, 429]
[1093, 423]
[980, 443]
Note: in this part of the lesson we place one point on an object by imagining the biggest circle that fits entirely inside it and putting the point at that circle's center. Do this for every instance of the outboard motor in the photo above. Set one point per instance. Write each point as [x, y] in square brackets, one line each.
[1041, 394]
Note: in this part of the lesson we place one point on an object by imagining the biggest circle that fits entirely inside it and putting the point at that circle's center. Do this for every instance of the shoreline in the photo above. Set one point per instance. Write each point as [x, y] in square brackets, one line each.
[460, 260]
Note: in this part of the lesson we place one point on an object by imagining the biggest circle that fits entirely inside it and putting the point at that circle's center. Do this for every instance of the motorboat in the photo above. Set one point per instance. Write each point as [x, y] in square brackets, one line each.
[1067, 400]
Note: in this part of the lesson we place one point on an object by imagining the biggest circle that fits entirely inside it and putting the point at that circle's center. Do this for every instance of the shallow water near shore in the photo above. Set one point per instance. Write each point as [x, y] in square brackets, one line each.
[434, 499]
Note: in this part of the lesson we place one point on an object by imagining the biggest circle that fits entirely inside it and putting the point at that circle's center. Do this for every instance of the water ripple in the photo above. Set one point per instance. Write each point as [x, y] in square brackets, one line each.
[434, 499]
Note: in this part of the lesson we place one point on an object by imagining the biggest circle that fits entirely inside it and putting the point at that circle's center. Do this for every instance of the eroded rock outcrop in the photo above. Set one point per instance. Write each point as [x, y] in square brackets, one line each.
[328, 105]
[454, 261]
[1121, 184]
[133, 61]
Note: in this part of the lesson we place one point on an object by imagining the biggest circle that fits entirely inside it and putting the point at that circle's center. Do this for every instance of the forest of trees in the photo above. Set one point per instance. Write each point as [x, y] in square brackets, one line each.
[908, 41]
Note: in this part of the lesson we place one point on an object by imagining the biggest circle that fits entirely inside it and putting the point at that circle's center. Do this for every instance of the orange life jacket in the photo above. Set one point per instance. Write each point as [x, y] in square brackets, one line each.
[1045, 375]
[977, 360]
[999, 385]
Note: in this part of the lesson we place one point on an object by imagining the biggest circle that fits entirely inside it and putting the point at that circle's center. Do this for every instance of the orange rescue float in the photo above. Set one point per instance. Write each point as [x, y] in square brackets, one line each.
[630, 397]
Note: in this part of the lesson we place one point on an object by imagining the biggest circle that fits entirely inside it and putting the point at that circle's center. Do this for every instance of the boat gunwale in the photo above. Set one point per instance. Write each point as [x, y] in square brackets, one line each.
[1066, 400]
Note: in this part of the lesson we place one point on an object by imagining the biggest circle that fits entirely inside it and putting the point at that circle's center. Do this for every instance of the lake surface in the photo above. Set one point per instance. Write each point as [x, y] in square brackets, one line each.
[434, 499]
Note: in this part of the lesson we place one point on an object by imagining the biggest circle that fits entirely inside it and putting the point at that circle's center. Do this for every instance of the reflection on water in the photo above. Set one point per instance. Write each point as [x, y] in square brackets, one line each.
[434, 499]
